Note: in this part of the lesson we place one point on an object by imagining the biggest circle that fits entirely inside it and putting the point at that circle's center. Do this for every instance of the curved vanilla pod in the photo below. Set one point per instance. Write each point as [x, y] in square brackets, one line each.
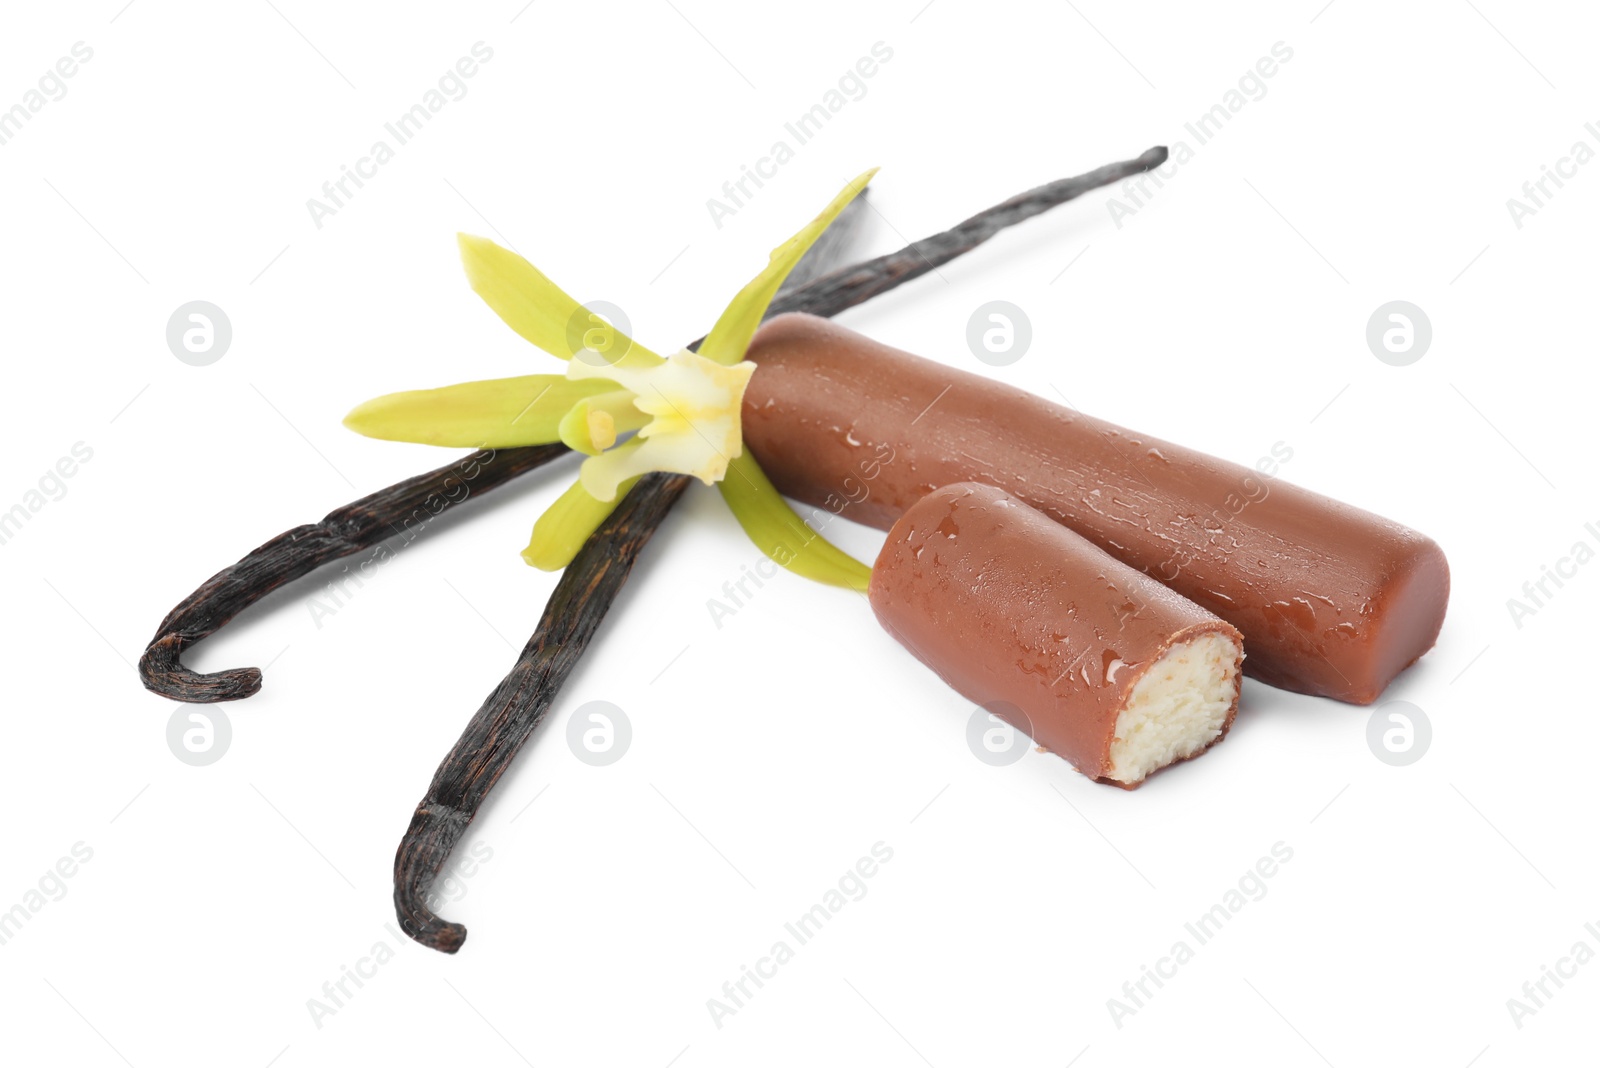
[1095, 661]
[510, 715]
[1331, 600]
[396, 512]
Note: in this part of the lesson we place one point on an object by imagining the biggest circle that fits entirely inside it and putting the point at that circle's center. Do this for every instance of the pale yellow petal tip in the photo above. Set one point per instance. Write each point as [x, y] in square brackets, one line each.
[366, 418]
[551, 546]
[545, 557]
[483, 260]
[473, 251]
[854, 187]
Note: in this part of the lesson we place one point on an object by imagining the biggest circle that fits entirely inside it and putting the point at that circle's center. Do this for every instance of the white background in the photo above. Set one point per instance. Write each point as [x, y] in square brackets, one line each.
[1228, 313]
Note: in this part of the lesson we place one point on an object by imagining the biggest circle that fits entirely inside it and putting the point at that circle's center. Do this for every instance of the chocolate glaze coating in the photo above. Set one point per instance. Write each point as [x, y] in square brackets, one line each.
[1019, 614]
[1332, 600]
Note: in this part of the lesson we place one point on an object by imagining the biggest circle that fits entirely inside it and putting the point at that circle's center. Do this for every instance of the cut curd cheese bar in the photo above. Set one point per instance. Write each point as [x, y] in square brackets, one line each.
[1095, 661]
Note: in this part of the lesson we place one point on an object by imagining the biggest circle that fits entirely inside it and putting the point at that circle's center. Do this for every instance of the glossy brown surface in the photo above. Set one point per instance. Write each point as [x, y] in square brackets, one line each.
[1332, 600]
[1028, 619]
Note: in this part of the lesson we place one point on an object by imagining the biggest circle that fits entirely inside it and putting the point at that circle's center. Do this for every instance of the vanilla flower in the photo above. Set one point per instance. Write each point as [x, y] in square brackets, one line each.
[681, 413]
[693, 407]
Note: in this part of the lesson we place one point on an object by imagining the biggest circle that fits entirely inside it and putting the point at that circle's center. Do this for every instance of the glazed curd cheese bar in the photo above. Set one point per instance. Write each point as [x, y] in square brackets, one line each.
[1331, 600]
[1095, 661]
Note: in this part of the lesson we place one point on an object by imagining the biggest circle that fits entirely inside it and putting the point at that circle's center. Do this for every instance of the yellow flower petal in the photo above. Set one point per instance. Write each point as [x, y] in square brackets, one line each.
[499, 413]
[540, 310]
[567, 524]
[780, 533]
[731, 336]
